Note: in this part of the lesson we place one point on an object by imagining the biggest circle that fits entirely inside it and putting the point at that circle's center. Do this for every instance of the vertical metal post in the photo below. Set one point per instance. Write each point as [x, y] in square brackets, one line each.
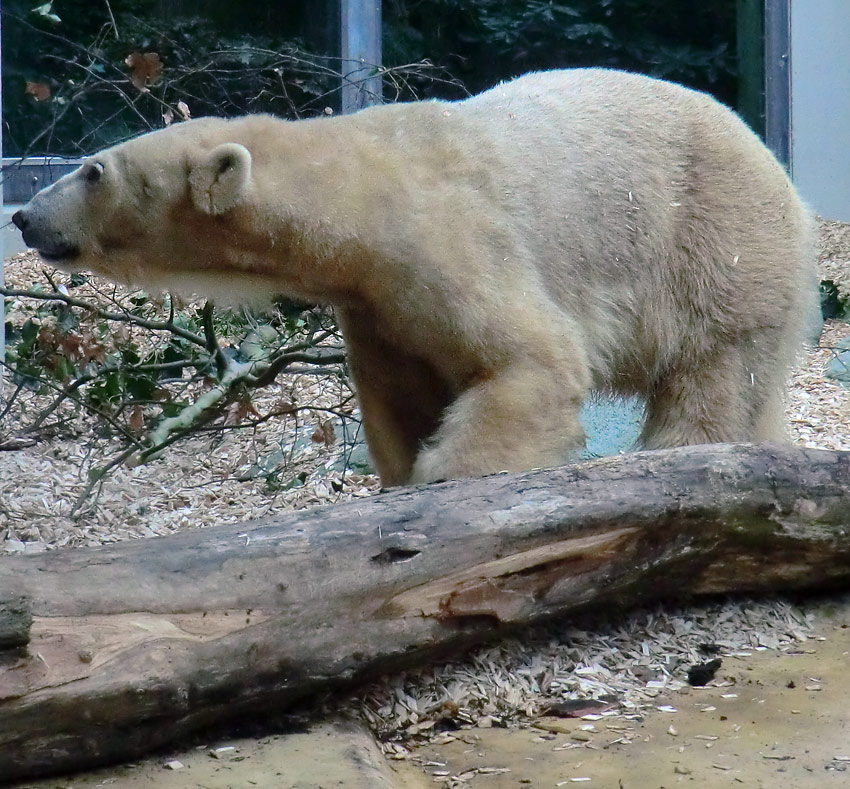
[777, 68]
[2, 234]
[751, 63]
[360, 45]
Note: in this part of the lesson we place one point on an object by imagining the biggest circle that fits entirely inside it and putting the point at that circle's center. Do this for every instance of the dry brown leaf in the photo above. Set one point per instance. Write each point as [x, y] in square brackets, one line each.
[145, 69]
[324, 434]
[40, 91]
[239, 411]
[137, 419]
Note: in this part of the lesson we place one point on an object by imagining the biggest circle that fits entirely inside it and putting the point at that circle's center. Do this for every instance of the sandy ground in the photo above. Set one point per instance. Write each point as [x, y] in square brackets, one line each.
[328, 755]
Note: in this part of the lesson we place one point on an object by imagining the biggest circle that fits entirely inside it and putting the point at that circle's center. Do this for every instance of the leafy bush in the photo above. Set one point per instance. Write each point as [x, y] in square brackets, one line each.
[485, 41]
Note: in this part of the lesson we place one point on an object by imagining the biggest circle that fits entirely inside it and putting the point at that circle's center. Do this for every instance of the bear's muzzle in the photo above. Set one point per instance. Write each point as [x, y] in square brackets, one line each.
[51, 245]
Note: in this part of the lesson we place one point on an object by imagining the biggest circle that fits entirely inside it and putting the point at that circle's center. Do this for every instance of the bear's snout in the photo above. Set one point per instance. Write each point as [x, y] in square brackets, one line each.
[20, 220]
[50, 244]
[23, 221]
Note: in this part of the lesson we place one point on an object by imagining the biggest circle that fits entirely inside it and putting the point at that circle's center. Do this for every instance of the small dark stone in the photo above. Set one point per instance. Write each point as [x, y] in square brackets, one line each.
[703, 673]
[791, 684]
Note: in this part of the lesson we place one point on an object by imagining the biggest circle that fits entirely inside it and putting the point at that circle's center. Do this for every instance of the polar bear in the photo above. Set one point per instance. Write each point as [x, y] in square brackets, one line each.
[490, 260]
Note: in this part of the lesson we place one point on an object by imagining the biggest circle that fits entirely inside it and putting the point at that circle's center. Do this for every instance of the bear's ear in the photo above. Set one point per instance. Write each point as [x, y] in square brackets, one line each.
[220, 179]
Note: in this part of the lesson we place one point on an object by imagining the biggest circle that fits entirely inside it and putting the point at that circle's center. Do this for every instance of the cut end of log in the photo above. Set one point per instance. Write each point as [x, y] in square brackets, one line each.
[15, 625]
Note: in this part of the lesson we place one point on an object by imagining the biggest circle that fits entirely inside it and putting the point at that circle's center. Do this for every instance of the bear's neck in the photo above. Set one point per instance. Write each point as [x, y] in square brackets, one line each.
[337, 199]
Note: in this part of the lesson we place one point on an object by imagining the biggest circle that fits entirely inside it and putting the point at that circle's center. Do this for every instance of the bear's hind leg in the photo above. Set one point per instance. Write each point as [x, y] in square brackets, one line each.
[770, 420]
[768, 365]
[771, 355]
[522, 417]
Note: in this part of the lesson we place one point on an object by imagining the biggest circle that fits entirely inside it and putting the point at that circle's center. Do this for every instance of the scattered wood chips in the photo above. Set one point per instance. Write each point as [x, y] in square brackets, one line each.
[626, 659]
[834, 251]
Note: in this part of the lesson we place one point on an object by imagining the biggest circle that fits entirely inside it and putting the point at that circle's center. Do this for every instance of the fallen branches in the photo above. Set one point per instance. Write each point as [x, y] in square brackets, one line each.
[112, 651]
[151, 380]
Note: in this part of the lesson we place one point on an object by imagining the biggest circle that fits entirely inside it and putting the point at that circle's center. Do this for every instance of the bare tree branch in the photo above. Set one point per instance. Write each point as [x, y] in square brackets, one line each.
[121, 317]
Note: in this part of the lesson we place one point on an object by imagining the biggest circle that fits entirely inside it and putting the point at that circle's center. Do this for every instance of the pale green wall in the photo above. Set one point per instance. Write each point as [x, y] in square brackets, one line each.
[820, 104]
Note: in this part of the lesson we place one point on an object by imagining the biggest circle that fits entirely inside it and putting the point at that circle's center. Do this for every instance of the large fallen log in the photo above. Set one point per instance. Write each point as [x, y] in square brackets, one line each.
[109, 652]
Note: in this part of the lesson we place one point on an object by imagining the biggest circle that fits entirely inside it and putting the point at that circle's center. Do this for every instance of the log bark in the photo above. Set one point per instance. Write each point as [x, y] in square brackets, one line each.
[109, 652]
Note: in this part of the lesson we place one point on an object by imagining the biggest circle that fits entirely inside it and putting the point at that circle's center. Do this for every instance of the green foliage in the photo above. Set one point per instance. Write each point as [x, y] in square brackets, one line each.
[138, 374]
[135, 360]
[61, 348]
[834, 306]
[485, 41]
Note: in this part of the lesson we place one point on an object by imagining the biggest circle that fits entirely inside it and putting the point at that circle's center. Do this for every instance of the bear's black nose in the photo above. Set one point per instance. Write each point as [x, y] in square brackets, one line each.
[20, 220]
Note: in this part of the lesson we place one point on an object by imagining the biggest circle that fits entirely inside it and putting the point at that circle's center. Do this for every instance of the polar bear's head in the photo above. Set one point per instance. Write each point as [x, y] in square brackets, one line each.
[161, 204]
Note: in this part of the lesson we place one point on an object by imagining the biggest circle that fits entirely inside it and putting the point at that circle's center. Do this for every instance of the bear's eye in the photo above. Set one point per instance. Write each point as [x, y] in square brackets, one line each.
[92, 172]
[226, 163]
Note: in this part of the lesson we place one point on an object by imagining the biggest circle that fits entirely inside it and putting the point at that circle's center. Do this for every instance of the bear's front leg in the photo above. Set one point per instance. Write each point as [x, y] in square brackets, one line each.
[401, 397]
[521, 417]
